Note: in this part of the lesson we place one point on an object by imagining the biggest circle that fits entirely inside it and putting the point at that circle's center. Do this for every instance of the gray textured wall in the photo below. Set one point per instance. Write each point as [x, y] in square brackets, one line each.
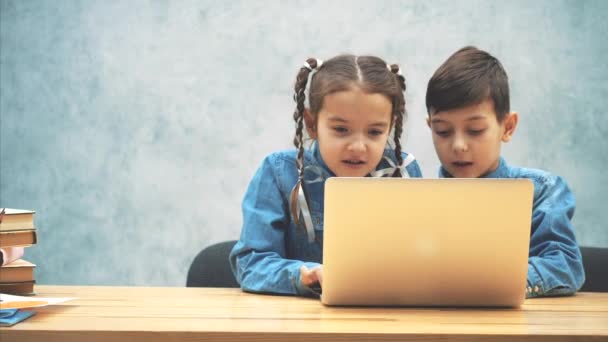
[133, 127]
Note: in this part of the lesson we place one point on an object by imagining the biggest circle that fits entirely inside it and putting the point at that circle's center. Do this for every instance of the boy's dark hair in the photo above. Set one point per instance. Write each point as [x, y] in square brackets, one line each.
[468, 77]
[341, 73]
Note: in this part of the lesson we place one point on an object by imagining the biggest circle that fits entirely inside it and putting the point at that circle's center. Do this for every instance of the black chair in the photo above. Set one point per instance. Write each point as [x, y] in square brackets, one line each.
[595, 261]
[210, 268]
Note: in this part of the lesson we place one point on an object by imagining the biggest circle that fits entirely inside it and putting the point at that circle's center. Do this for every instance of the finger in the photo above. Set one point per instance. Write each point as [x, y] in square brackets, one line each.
[306, 275]
[319, 273]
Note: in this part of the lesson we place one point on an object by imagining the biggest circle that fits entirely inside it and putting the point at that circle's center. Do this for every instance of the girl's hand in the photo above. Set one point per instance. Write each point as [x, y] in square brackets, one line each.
[311, 276]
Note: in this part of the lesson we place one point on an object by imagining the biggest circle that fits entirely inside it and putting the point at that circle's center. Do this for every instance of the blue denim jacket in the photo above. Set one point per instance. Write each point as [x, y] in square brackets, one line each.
[271, 249]
[555, 264]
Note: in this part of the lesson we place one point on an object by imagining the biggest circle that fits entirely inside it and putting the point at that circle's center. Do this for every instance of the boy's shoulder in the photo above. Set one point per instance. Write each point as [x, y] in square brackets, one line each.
[541, 178]
[548, 188]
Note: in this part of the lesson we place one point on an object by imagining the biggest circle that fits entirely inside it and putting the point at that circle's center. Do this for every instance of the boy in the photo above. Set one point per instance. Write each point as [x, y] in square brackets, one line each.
[467, 101]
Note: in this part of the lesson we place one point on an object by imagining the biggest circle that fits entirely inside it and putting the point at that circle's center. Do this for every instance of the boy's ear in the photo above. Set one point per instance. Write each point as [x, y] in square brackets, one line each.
[428, 121]
[509, 123]
[309, 121]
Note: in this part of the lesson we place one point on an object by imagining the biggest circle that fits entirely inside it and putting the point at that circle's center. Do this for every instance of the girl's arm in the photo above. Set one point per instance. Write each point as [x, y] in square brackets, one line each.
[413, 170]
[258, 259]
[555, 264]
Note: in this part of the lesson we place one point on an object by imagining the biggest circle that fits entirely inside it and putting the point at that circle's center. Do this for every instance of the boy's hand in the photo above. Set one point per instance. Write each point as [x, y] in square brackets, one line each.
[311, 276]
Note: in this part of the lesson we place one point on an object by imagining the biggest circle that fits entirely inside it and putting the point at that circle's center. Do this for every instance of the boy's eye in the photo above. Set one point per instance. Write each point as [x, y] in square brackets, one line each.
[340, 129]
[476, 131]
[443, 133]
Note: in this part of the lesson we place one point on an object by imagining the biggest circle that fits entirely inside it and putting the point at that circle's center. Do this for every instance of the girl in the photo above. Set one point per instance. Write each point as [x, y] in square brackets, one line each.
[354, 104]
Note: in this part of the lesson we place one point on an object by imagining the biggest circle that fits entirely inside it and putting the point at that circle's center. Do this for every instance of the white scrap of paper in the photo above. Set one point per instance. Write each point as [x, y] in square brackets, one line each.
[21, 302]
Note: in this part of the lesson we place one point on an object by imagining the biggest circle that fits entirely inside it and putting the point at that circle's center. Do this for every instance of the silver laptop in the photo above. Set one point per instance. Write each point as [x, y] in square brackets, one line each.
[426, 242]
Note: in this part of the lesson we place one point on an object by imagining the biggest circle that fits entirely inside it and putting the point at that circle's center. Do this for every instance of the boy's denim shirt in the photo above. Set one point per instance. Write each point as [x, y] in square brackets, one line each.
[271, 250]
[555, 264]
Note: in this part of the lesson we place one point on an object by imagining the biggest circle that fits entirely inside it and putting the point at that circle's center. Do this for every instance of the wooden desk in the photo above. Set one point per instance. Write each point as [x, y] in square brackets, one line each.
[205, 314]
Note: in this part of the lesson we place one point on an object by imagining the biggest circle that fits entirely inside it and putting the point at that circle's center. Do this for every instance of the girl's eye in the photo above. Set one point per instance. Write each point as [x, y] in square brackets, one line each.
[340, 129]
[476, 131]
[375, 132]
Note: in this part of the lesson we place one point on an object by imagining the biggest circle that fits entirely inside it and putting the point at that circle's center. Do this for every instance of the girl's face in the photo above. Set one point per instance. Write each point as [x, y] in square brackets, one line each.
[352, 129]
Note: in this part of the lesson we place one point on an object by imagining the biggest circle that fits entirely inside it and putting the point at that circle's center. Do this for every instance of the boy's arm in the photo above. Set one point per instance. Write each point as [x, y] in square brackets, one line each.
[555, 264]
[258, 258]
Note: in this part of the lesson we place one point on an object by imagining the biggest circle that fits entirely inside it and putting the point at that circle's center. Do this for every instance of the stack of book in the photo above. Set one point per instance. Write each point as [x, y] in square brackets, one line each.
[17, 231]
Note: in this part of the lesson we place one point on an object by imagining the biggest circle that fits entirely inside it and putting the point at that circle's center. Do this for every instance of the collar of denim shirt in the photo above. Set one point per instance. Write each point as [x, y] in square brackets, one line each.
[316, 152]
[318, 171]
[315, 169]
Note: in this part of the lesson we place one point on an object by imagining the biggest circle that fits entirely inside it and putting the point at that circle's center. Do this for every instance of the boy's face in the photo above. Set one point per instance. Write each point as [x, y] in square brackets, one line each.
[351, 129]
[468, 140]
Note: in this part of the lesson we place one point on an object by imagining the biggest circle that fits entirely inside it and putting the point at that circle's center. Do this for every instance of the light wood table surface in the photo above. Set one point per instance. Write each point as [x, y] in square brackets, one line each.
[215, 314]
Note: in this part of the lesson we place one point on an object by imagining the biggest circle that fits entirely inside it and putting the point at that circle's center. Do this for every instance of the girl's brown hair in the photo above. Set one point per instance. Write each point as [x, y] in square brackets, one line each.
[344, 72]
[369, 73]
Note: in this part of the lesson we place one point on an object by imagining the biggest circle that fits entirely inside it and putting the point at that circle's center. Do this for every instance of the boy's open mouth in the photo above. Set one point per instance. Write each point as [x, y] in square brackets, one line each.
[462, 163]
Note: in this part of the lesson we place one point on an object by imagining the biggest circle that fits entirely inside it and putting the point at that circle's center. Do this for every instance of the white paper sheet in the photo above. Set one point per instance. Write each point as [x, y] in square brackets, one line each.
[21, 302]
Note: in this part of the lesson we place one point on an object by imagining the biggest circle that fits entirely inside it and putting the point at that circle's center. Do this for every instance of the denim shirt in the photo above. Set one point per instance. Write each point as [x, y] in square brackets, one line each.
[555, 264]
[271, 249]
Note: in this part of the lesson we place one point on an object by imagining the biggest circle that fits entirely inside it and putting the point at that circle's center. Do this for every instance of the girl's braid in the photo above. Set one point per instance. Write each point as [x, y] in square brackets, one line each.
[299, 97]
[399, 112]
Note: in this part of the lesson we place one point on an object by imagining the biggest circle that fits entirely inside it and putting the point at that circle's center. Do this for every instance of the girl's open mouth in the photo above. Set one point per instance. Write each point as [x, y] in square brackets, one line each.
[353, 163]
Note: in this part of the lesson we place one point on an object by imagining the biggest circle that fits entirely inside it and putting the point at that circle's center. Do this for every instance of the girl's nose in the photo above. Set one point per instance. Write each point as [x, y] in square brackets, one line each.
[357, 145]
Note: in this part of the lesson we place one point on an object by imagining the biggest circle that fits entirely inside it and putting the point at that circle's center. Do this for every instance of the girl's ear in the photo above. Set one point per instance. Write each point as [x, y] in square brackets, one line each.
[509, 124]
[311, 126]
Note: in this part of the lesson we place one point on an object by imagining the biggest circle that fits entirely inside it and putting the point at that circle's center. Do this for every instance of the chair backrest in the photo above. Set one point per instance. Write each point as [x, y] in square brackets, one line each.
[595, 261]
[210, 268]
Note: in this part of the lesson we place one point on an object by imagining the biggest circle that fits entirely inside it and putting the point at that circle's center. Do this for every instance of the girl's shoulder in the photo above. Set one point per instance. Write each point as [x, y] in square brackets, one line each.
[409, 160]
[282, 155]
[390, 153]
[287, 158]
[282, 166]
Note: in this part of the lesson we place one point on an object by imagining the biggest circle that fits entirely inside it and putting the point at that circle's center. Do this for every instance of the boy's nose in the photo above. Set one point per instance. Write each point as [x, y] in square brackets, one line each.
[459, 145]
